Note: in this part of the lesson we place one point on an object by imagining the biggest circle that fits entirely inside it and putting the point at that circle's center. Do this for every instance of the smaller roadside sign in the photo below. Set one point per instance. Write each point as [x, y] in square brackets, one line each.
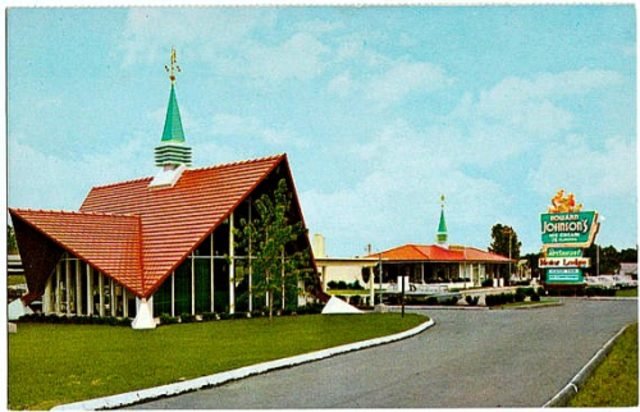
[577, 262]
[563, 252]
[564, 276]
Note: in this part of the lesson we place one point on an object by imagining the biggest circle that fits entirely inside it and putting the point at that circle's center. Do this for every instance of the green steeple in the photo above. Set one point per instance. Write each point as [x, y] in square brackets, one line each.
[172, 151]
[441, 235]
[173, 124]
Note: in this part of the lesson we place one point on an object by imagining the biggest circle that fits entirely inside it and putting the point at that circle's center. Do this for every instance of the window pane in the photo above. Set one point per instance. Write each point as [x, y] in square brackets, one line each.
[161, 299]
[183, 288]
[203, 285]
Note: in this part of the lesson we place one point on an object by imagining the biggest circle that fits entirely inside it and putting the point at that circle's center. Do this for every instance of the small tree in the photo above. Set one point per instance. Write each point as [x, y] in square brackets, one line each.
[12, 244]
[270, 241]
[503, 240]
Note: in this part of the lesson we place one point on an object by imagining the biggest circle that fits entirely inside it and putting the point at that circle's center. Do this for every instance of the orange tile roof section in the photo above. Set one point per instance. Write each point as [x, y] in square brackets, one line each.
[434, 253]
[165, 224]
[110, 243]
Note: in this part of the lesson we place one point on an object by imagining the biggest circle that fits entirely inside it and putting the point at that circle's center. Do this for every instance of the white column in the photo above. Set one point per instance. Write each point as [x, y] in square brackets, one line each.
[212, 275]
[371, 288]
[46, 298]
[58, 281]
[78, 299]
[125, 303]
[232, 269]
[193, 285]
[112, 299]
[67, 283]
[144, 314]
[89, 290]
[100, 294]
[173, 294]
[421, 273]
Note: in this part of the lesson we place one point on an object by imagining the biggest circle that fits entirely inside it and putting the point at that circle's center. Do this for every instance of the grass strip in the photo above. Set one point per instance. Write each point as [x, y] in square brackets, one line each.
[54, 364]
[627, 293]
[615, 380]
[15, 280]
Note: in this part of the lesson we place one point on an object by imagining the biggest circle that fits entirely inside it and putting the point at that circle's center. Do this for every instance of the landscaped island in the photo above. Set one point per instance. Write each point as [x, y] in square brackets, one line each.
[54, 364]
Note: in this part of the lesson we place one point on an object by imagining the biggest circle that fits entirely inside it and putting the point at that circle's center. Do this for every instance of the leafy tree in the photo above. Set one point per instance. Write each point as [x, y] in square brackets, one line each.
[532, 261]
[609, 259]
[12, 244]
[629, 255]
[501, 236]
[271, 238]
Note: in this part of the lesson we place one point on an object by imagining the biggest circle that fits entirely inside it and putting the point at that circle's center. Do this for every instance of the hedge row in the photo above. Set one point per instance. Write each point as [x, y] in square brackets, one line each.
[311, 308]
[76, 320]
[341, 284]
[505, 298]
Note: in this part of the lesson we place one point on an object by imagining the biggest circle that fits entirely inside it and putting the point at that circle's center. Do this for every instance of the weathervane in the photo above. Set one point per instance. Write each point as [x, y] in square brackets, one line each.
[173, 67]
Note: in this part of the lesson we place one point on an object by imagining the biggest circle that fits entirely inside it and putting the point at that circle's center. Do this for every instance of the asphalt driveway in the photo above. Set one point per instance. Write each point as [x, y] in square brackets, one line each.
[469, 359]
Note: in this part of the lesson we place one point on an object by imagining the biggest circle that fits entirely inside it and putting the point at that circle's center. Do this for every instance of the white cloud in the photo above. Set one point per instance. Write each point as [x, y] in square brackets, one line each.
[38, 178]
[577, 167]
[404, 78]
[301, 57]
[232, 125]
[341, 85]
[397, 200]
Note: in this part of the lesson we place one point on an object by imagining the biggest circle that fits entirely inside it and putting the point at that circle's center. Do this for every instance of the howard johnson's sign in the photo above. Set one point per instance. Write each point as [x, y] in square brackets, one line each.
[571, 230]
[565, 231]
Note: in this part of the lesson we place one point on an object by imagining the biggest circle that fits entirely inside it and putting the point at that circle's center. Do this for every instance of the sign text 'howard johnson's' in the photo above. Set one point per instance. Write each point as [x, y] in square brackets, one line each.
[568, 228]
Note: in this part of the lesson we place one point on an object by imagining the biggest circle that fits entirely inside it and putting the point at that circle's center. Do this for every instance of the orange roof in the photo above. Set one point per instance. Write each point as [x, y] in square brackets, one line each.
[435, 253]
[110, 243]
[156, 228]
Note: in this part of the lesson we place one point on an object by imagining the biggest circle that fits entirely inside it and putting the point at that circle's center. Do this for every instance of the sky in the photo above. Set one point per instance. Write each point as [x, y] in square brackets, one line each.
[380, 110]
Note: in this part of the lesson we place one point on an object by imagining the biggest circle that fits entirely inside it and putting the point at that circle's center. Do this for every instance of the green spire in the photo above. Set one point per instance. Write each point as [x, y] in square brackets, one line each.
[172, 150]
[173, 124]
[441, 236]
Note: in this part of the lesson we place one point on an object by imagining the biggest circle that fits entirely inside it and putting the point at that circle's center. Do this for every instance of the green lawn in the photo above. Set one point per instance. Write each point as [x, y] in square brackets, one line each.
[615, 381]
[15, 280]
[627, 292]
[55, 364]
[345, 292]
[543, 302]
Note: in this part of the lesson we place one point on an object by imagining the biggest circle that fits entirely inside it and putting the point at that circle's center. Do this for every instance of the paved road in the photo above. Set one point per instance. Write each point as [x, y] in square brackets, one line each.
[469, 359]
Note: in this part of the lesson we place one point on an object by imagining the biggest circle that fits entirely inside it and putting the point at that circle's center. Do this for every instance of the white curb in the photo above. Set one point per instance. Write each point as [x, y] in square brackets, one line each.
[562, 398]
[129, 398]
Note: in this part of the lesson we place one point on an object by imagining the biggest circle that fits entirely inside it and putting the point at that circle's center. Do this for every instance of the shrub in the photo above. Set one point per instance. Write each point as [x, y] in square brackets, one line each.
[224, 315]
[241, 315]
[355, 300]
[355, 285]
[541, 291]
[166, 319]
[332, 284]
[472, 300]
[450, 301]
[487, 283]
[520, 297]
[207, 316]
[432, 300]
[257, 314]
[526, 291]
[491, 300]
[341, 285]
[535, 298]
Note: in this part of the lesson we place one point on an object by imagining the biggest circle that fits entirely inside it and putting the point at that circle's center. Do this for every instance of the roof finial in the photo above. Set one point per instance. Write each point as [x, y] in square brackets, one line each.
[173, 67]
[441, 235]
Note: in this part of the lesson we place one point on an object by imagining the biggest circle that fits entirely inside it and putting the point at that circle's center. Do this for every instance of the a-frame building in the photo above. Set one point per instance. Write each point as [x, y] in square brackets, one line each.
[157, 245]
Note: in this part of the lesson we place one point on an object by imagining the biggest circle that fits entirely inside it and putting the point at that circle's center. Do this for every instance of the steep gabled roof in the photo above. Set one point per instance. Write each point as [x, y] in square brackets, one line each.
[139, 234]
[110, 243]
[435, 253]
[174, 220]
